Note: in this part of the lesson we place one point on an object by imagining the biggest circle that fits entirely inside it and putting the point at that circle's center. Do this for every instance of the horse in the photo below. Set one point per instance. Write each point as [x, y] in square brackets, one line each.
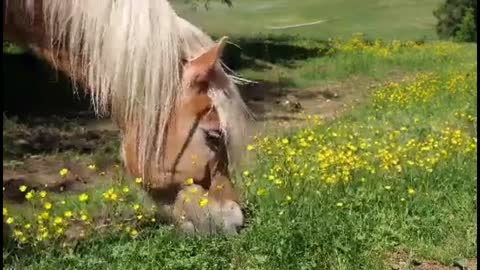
[181, 118]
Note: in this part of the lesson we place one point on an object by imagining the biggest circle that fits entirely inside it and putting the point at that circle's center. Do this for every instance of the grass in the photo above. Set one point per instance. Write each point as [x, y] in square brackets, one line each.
[397, 19]
[395, 175]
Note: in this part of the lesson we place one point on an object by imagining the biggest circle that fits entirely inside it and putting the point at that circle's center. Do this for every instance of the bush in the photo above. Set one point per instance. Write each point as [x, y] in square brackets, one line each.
[457, 19]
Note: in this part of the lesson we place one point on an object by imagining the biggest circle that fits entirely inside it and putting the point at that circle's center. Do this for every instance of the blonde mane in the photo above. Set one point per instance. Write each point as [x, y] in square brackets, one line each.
[130, 53]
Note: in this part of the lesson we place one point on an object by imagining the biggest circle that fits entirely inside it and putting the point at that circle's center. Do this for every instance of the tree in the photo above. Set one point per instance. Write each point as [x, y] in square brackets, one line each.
[457, 19]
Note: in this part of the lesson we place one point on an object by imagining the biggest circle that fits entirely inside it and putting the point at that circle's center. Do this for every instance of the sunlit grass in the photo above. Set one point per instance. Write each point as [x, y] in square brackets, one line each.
[398, 174]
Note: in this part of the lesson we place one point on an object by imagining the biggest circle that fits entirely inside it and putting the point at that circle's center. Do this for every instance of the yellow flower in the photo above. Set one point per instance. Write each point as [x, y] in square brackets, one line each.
[17, 233]
[60, 230]
[5, 211]
[285, 141]
[138, 180]
[133, 233]
[402, 199]
[22, 188]
[289, 198]
[189, 181]
[47, 206]
[44, 216]
[153, 220]
[250, 147]
[246, 173]
[10, 220]
[136, 207]
[68, 214]
[126, 190]
[203, 202]
[28, 226]
[388, 187]
[92, 167]
[83, 217]
[83, 197]
[261, 192]
[58, 220]
[411, 191]
[139, 217]
[193, 190]
[43, 194]
[63, 172]
[340, 204]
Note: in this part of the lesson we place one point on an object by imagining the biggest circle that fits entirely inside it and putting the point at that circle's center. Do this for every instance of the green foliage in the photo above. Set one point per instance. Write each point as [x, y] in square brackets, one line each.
[457, 19]
[468, 28]
[12, 48]
[416, 193]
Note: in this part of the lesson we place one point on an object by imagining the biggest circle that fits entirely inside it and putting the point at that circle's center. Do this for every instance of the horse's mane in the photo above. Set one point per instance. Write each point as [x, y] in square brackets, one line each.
[129, 52]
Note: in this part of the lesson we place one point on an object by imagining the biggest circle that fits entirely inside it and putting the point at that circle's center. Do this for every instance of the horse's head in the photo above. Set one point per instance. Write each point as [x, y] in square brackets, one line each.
[199, 140]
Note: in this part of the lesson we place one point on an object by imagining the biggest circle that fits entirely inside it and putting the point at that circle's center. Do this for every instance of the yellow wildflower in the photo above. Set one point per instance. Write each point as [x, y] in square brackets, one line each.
[134, 233]
[189, 181]
[43, 194]
[47, 205]
[136, 207]
[250, 147]
[339, 204]
[203, 202]
[28, 226]
[10, 220]
[83, 197]
[58, 220]
[388, 187]
[63, 172]
[22, 188]
[411, 191]
[126, 190]
[92, 167]
[68, 214]
[138, 180]
[83, 217]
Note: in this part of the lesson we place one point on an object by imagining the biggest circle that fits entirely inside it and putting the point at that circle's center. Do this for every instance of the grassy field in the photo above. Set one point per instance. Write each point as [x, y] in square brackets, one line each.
[388, 184]
[393, 19]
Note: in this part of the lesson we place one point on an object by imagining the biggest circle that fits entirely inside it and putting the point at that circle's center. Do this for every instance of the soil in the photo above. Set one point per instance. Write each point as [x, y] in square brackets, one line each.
[400, 260]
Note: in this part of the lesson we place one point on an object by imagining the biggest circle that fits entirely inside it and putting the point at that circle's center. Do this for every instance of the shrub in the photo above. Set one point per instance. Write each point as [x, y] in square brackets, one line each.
[457, 19]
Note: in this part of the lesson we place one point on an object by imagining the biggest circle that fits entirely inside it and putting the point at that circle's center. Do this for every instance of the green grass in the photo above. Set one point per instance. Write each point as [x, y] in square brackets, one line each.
[396, 19]
[296, 220]
[299, 221]
[366, 63]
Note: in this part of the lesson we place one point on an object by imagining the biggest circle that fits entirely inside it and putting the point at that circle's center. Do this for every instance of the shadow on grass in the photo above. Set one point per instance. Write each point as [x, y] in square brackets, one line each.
[280, 50]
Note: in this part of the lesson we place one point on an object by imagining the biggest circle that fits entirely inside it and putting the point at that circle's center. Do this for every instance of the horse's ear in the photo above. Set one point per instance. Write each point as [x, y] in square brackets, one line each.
[203, 66]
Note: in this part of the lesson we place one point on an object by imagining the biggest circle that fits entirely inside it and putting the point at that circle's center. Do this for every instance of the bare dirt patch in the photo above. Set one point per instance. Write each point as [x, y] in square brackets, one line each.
[402, 260]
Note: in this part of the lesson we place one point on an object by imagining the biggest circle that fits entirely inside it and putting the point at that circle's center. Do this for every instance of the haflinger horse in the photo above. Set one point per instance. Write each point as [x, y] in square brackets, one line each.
[161, 80]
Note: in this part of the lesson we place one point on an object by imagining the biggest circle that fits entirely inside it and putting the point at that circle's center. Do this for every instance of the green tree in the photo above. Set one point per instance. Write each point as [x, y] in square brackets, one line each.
[457, 19]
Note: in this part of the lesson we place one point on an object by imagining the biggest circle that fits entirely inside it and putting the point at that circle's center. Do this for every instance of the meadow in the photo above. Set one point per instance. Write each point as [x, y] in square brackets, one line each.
[390, 183]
